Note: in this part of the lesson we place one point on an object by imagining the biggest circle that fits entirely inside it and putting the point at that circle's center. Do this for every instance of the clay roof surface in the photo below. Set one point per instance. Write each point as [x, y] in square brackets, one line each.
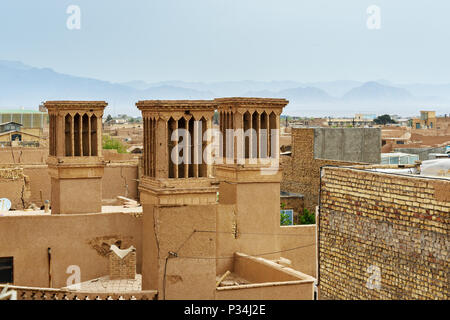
[104, 284]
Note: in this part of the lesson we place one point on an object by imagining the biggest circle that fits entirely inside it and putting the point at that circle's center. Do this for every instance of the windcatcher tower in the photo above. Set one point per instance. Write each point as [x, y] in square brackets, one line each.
[179, 199]
[75, 159]
[249, 175]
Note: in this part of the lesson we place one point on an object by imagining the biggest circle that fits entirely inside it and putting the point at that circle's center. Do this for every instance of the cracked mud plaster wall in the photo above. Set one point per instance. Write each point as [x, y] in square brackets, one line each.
[15, 186]
[117, 181]
[120, 180]
[21, 155]
[72, 239]
[174, 228]
[24, 155]
[302, 237]
[383, 229]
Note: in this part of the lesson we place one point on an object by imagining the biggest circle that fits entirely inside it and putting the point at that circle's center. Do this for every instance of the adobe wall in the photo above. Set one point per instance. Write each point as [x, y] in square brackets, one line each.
[248, 221]
[22, 155]
[188, 231]
[268, 280]
[295, 291]
[119, 179]
[296, 243]
[383, 226]
[113, 155]
[73, 196]
[301, 170]
[81, 240]
[15, 186]
[299, 244]
[39, 183]
[285, 140]
[120, 175]
[256, 270]
[32, 155]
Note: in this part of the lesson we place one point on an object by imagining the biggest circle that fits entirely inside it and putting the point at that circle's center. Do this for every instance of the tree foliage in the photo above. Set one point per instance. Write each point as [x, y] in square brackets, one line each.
[384, 119]
[110, 143]
[285, 219]
[307, 218]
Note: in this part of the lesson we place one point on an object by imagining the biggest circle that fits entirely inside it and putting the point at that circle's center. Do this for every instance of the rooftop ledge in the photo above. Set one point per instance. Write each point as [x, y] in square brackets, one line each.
[105, 209]
[258, 272]
[428, 169]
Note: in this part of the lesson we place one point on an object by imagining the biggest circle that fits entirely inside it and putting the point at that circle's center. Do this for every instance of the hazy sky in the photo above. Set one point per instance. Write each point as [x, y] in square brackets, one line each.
[215, 40]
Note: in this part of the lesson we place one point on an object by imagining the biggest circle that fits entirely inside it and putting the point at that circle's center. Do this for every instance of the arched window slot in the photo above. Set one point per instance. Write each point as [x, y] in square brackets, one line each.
[68, 135]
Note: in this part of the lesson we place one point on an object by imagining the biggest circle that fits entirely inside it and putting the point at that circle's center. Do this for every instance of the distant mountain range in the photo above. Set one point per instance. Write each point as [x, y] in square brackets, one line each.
[373, 91]
[25, 86]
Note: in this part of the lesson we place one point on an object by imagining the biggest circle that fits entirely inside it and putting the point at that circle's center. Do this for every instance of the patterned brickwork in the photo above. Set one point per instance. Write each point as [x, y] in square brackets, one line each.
[383, 236]
[122, 268]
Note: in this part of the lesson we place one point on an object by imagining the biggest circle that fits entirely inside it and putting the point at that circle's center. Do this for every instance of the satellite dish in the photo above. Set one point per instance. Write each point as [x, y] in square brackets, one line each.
[5, 204]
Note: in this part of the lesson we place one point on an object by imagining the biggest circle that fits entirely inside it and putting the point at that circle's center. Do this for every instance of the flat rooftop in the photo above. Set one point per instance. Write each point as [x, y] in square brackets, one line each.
[435, 169]
[106, 285]
[105, 209]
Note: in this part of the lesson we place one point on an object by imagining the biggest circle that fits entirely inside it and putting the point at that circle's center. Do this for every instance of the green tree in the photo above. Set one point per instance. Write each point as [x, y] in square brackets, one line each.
[284, 219]
[384, 119]
[110, 143]
[108, 118]
[307, 218]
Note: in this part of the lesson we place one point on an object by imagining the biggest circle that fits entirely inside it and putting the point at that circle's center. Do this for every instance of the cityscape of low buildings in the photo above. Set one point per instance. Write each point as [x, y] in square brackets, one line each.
[23, 127]
[103, 210]
[224, 159]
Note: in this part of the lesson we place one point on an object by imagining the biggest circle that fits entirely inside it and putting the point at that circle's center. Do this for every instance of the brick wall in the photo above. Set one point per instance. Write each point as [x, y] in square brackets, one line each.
[301, 171]
[122, 268]
[383, 236]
